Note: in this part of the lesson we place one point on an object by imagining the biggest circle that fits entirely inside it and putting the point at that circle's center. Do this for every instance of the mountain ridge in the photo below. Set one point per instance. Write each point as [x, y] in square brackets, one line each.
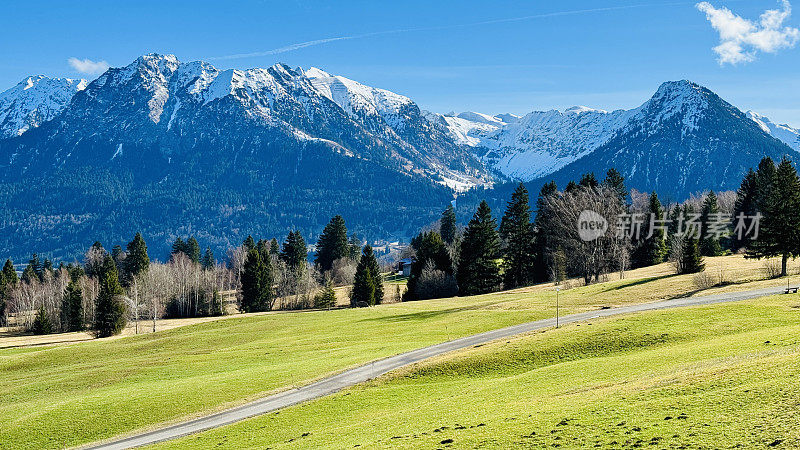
[171, 148]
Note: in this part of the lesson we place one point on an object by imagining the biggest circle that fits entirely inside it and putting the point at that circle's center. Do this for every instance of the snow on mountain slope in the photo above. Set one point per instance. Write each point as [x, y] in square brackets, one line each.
[33, 101]
[544, 141]
[357, 99]
[155, 104]
[788, 135]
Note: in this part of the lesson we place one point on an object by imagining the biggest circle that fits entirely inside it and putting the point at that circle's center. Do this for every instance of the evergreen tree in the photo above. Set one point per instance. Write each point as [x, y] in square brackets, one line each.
[478, 272]
[765, 177]
[72, 308]
[193, 250]
[332, 244]
[709, 244]
[616, 182]
[249, 243]
[109, 308]
[178, 247]
[41, 323]
[779, 233]
[368, 282]
[33, 270]
[447, 227]
[655, 246]
[208, 260]
[588, 180]
[137, 260]
[542, 252]
[8, 279]
[294, 251]
[429, 247]
[516, 230]
[327, 297]
[692, 259]
[274, 249]
[257, 278]
[746, 206]
[571, 187]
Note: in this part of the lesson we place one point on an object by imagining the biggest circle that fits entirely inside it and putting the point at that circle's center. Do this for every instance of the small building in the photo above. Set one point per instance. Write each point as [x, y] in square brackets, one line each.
[404, 266]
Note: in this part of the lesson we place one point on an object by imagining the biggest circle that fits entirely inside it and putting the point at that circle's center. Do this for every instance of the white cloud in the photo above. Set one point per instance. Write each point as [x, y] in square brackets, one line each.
[741, 39]
[88, 66]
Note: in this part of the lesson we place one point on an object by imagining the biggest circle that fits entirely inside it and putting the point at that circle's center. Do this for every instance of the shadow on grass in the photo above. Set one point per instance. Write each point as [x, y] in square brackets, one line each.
[431, 314]
[638, 282]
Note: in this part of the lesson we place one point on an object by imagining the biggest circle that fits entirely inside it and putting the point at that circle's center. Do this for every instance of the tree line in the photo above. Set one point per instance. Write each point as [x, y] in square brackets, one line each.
[531, 244]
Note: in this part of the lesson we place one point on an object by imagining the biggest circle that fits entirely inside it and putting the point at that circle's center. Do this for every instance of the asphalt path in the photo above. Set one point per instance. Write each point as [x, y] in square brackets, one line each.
[352, 377]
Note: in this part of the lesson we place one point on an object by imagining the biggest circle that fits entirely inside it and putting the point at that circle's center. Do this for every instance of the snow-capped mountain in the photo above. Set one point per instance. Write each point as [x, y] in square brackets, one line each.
[685, 139]
[158, 99]
[186, 146]
[544, 142]
[786, 134]
[171, 148]
[33, 101]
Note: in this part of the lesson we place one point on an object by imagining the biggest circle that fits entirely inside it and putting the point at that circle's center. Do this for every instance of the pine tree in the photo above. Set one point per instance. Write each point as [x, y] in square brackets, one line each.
[193, 250]
[257, 281]
[692, 260]
[368, 282]
[332, 244]
[447, 227]
[429, 248]
[779, 233]
[208, 260]
[765, 177]
[8, 279]
[178, 247]
[588, 180]
[745, 206]
[274, 249]
[41, 323]
[327, 297]
[109, 308]
[542, 267]
[478, 272]
[72, 308]
[137, 260]
[616, 182]
[294, 251]
[249, 243]
[709, 244]
[33, 271]
[516, 230]
[655, 246]
[571, 187]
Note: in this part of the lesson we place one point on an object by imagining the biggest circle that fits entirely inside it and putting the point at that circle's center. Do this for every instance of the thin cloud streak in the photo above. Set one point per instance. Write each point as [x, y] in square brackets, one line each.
[299, 45]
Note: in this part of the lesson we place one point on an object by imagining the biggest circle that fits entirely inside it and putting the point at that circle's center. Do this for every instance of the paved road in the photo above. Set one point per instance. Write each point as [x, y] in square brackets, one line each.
[368, 371]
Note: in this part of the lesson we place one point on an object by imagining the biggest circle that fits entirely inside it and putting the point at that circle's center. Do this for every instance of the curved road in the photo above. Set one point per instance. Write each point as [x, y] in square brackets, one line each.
[371, 370]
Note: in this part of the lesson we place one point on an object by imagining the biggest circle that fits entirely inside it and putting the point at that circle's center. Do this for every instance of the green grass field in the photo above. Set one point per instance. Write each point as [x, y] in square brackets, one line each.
[722, 376]
[60, 396]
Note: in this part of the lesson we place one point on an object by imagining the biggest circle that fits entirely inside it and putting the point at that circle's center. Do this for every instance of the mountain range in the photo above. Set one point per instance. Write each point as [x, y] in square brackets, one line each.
[173, 149]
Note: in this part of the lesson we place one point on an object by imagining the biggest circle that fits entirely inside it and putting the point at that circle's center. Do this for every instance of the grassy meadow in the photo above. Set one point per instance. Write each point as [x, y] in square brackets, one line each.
[721, 376]
[65, 395]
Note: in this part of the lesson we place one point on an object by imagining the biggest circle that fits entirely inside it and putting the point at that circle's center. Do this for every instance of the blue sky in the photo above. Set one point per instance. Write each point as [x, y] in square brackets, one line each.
[492, 57]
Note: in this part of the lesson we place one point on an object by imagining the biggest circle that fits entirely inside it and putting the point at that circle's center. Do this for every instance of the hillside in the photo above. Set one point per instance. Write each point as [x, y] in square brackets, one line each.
[722, 376]
[89, 391]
